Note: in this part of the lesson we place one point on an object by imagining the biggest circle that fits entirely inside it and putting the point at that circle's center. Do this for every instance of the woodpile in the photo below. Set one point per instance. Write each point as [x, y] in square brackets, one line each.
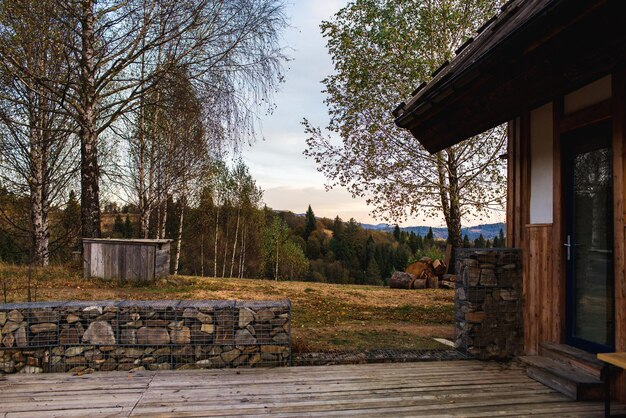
[401, 280]
[427, 273]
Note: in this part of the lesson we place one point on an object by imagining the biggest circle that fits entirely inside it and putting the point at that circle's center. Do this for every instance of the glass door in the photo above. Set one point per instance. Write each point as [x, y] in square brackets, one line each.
[588, 243]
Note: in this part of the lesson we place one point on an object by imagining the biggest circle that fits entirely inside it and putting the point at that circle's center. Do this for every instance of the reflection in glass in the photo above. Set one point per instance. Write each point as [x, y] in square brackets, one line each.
[592, 254]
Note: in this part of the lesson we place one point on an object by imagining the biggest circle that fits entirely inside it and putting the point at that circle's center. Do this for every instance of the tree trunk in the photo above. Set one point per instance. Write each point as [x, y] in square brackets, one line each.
[89, 168]
[144, 220]
[163, 221]
[454, 221]
[39, 208]
[152, 188]
[242, 251]
[202, 255]
[217, 230]
[40, 225]
[157, 217]
[179, 237]
[225, 249]
[454, 226]
[232, 261]
[144, 204]
[449, 195]
[277, 248]
[37, 181]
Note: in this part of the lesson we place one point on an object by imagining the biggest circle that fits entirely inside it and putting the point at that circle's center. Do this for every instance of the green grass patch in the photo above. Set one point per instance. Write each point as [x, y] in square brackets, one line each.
[371, 340]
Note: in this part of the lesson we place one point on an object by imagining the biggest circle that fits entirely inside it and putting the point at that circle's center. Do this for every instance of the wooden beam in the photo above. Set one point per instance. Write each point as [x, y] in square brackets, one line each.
[558, 228]
[517, 211]
[587, 116]
[526, 172]
[527, 77]
[619, 191]
[510, 182]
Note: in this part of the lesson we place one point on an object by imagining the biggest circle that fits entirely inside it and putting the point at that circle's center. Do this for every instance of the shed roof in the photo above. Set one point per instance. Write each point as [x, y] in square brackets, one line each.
[138, 241]
[532, 52]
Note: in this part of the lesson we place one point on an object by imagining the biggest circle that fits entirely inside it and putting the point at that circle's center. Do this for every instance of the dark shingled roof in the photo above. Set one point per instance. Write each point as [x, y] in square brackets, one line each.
[531, 51]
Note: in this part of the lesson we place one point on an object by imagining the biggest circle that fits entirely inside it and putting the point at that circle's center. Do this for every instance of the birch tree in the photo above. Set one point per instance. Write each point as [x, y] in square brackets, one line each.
[36, 156]
[110, 40]
[247, 199]
[382, 50]
[183, 145]
[275, 235]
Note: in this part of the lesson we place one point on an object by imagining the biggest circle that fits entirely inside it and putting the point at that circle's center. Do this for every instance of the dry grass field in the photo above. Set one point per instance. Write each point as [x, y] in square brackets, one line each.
[325, 316]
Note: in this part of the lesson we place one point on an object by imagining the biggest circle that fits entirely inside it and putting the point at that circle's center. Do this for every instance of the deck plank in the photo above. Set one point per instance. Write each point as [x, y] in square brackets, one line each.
[454, 388]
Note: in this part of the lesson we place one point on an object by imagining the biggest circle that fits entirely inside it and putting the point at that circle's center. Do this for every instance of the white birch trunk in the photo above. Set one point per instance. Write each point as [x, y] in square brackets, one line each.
[242, 251]
[37, 182]
[232, 261]
[39, 212]
[225, 249]
[89, 167]
[144, 203]
[217, 230]
[179, 238]
[163, 220]
[202, 255]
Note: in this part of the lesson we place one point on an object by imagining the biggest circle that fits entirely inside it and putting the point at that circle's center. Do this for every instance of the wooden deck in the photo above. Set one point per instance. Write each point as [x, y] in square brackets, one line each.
[461, 388]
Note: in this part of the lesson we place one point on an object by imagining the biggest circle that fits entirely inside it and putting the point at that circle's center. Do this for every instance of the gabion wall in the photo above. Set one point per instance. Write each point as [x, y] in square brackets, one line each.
[488, 303]
[143, 335]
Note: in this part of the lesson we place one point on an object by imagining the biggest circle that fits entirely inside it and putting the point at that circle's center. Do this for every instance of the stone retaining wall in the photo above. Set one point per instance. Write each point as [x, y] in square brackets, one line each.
[137, 335]
[488, 303]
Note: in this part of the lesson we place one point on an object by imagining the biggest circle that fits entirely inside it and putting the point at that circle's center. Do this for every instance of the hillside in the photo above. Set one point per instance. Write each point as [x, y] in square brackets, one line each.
[325, 316]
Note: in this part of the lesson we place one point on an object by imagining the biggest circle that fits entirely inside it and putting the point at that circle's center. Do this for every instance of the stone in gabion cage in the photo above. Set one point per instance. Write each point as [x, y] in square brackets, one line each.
[143, 335]
[488, 307]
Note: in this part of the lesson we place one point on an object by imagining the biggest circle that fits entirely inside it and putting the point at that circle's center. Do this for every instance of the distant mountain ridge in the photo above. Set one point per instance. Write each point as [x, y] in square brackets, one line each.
[489, 231]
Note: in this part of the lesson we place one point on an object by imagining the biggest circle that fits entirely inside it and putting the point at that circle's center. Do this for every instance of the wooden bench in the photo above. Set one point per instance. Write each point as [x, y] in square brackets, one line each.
[610, 359]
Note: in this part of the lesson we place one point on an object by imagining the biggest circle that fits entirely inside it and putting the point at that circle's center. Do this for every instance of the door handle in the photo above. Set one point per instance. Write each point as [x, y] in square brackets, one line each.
[569, 246]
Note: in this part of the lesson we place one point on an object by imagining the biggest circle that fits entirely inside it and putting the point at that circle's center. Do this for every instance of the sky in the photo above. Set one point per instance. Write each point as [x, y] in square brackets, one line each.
[291, 181]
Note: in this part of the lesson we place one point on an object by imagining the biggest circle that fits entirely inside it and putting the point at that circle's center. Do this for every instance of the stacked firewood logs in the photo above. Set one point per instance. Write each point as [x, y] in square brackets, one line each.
[423, 274]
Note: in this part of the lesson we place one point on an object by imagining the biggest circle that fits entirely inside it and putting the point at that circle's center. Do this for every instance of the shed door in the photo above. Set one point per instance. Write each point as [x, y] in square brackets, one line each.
[589, 238]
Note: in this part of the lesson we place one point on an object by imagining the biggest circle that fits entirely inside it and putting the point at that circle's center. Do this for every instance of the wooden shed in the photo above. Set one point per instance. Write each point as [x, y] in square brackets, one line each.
[127, 260]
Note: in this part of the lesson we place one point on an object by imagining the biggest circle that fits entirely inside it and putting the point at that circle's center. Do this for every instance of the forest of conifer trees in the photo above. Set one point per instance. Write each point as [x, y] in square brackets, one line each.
[229, 232]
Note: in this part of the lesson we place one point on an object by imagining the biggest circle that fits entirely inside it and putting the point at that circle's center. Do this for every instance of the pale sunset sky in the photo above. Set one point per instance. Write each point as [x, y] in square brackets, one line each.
[291, 181]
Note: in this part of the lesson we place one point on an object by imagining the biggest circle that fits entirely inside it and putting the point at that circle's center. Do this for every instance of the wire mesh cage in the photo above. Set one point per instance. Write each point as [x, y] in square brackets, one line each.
[143, 335]
[488, 308]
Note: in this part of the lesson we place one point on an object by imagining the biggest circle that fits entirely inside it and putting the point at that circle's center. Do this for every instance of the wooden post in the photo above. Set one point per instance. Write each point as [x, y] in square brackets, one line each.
[619, 187]
[558, 228]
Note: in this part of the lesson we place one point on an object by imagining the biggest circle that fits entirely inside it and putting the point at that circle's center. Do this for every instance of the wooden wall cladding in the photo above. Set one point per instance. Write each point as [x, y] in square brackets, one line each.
[542, 293]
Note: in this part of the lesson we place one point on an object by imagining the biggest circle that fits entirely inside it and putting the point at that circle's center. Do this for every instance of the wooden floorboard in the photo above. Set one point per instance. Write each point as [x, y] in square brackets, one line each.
[454, 388]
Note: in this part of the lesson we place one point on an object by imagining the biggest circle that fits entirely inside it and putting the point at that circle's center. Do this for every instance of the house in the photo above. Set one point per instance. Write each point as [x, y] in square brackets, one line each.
[555, 71]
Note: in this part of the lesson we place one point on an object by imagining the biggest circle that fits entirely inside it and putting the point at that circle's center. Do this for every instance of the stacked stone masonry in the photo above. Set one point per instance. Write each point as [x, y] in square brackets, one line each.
[488, 303]
[143, 335]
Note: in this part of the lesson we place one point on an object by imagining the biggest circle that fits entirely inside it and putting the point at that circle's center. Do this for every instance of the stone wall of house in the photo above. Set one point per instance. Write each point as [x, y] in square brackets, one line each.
[143, 335]
[488, 303]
